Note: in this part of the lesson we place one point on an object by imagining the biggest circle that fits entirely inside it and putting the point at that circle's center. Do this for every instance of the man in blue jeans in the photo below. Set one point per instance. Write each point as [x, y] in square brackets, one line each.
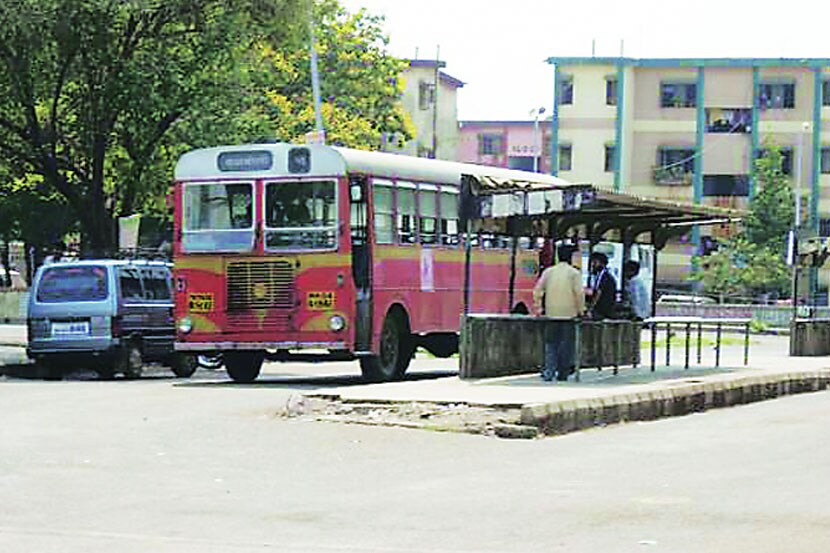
[561, 288]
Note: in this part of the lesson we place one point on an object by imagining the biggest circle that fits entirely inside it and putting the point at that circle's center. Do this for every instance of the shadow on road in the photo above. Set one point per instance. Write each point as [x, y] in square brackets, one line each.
[304, 381]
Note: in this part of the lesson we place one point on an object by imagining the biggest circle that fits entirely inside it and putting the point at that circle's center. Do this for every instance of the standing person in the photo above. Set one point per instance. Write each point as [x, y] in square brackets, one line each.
[561, 288]
[636, 291]
[603, 288]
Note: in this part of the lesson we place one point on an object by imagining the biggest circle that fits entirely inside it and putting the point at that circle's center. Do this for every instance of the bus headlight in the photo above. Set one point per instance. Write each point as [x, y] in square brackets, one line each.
[337, 323]
[185, 325]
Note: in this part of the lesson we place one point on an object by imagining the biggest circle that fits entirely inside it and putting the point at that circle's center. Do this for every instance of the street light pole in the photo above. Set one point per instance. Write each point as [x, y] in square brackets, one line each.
[536, 147]
[805, 126]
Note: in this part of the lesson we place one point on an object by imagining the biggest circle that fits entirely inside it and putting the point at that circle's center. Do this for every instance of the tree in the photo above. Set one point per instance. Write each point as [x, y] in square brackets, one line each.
[754, 262]
[360, 82]
[90, 88]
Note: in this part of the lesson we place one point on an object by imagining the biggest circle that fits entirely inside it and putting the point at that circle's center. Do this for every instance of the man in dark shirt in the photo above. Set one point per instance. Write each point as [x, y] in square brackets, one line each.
[602, 290]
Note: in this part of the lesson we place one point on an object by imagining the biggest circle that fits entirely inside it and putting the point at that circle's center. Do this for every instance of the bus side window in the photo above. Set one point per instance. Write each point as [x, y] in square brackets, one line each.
[449, 216]
[384, 212]
[406, 213]
[428, 213]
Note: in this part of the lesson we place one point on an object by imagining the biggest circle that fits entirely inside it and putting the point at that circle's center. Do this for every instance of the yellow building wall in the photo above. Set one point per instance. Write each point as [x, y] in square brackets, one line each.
[726, 154]
[589, 92]
[727, 87]
[647, 93]
[588, 156]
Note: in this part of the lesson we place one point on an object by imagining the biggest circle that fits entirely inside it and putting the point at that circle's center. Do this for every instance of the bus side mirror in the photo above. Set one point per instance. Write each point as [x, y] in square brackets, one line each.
[356, 193]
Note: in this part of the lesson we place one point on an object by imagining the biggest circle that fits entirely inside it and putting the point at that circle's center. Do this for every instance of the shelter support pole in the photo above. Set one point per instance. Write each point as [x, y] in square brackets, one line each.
[468, 252]
[511, 229]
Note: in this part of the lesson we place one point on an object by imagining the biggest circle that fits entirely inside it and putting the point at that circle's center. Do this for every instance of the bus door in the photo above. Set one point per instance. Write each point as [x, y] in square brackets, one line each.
[361, 262]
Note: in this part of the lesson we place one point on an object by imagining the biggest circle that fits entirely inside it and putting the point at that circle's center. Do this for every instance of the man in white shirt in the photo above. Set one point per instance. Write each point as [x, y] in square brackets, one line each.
[636, 292]
[560, 286]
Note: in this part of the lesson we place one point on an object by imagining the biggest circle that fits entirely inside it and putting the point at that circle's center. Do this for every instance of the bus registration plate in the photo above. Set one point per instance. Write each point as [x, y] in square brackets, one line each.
[319, 301]
[200, 303]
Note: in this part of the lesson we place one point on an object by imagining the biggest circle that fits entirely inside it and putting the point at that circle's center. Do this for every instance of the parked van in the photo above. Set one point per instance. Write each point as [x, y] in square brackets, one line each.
[110, 315]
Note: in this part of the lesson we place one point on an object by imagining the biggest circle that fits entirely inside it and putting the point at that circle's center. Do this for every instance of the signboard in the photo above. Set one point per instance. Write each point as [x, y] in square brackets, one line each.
[253, 160]
[320, 301]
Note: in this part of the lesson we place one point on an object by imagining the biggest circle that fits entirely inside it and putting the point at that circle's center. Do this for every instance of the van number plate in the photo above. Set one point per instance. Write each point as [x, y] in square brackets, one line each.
[319, 301]
[70, 329]
[200, 303]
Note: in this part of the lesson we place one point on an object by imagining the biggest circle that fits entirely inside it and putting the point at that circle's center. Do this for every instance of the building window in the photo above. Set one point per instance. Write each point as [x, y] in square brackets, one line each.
[776, 96]
[610, 91]
[565, 157]
[678, 95]
[786, 159]
[825, 160]
[610, 151]
[728, 120]
[566, 90]
[426, 95]
[490, 144]
[674, 166]
[725, 185]
[824, 228]
[825, 92]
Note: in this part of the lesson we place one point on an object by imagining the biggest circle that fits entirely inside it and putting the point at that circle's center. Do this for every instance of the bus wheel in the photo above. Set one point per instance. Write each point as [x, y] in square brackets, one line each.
[130, 362]
[396, 349]
[184, 365]
[243, 366]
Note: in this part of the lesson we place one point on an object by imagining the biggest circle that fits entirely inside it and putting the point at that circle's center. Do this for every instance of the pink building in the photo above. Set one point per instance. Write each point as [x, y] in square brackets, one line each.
[506, 144]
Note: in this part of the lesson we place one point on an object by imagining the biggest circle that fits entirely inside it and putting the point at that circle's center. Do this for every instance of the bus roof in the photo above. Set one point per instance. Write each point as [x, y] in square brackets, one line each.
[335, 161]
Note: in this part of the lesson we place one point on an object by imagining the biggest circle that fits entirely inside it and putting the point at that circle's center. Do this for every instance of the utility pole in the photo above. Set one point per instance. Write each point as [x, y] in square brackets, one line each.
[315, 84]
[436, 79]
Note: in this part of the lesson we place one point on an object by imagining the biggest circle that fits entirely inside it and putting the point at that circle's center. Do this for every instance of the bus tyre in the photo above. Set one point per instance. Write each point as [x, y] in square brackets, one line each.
[130, 362]
[243, 366]
[184, 365]
[396, 349]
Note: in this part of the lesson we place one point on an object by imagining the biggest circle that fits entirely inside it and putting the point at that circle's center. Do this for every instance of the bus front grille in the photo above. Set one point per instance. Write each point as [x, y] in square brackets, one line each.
[260, 284]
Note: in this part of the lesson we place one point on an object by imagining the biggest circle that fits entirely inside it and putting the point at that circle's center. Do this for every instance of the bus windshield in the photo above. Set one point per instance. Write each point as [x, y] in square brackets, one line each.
[300, 215]
[218, 217]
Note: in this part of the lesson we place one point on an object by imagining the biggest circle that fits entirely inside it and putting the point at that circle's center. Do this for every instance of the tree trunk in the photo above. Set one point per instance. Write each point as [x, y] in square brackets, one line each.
[4, 260]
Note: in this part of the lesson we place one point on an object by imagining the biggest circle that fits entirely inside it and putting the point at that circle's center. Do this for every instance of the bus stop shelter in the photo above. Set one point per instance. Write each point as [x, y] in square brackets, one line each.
[565, 212]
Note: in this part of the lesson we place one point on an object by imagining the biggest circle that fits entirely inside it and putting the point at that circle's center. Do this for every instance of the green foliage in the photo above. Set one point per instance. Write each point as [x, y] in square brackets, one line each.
[89, 88]
[98, 98]
[359, 81]
[754, 262]
[772, 210]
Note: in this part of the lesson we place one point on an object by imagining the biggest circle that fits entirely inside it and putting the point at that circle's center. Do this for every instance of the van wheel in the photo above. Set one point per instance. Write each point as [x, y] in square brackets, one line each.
[243, 366]
[130, 362]
[184, 365]
[396, 349]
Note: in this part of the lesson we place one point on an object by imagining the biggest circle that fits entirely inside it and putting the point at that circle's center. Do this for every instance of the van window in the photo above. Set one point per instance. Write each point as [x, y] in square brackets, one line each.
[130, 284]
[64, 284]
[156, 285]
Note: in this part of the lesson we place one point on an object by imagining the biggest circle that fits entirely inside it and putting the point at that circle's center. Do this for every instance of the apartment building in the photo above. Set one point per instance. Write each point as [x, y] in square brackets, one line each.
[689, 129]
[522, 145]
[430, 98]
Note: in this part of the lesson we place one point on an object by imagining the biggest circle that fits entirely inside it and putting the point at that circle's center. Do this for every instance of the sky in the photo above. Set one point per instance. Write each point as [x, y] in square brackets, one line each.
[499, 48]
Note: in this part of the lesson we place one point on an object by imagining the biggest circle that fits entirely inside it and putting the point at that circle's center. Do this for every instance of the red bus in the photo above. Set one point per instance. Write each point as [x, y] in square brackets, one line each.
[280, 248]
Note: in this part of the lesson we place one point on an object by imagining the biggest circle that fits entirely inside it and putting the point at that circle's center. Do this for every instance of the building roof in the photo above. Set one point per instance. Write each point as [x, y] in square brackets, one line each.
[691, 62]
[445, 78]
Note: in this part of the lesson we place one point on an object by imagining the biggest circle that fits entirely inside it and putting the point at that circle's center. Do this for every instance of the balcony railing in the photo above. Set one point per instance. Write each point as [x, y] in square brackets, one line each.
[672, 176]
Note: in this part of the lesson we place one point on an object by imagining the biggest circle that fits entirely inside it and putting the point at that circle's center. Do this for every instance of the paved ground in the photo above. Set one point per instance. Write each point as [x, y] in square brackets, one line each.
[666, 391]
[170, 466]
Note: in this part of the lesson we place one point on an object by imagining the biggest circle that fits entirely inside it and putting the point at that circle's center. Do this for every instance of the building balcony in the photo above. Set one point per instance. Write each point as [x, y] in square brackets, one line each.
[672, 176]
